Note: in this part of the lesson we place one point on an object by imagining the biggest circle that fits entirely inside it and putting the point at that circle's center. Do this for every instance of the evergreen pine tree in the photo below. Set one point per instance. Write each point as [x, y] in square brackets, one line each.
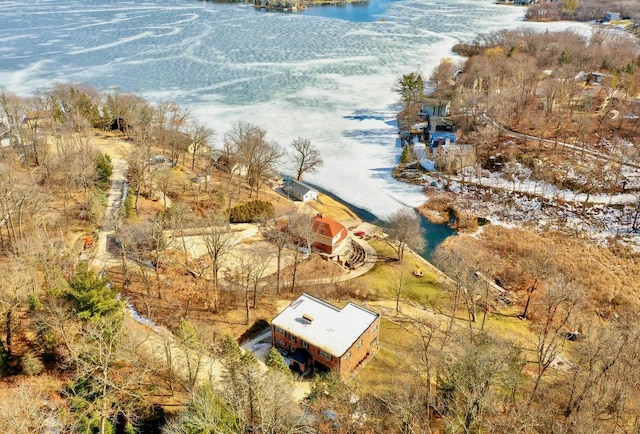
[91, 294]
[276, 362]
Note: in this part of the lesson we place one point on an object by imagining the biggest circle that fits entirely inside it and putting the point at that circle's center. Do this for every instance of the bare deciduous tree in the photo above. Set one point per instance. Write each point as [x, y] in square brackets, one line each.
[301, 228]
[538, 264]
[254, 153]
[279, 236]
[306, 157]
[28, 409]
[463, 281]
[14, 289]
[403, 229]
[467, 385]
[406, 403]
[400, 283]
[219, 240]
[172, 122]
[555, 308]
[200, 136]
[246, 274]
[138, 162]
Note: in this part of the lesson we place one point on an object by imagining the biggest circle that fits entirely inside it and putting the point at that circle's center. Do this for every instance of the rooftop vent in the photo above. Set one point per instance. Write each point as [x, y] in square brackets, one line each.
[307, 317]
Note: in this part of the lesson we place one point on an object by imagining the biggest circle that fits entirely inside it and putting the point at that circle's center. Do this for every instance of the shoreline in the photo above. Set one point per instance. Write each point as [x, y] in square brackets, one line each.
[434, 233]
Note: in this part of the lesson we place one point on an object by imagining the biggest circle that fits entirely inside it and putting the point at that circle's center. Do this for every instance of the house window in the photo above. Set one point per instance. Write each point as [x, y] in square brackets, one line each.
[374, 328]
[280, 331]
[281, 343]
[359, 344]
[293, 338]
[347, 356]
[304, 344]
[373, 342]
[325, 355]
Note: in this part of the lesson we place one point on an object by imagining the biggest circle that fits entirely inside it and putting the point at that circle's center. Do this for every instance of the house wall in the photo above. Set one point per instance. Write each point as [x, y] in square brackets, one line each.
[294, 194]
[435, 110]
[323, 242]
[288, 342]
[360, 351]
[311, 195]
[455, 157]
[344, 365]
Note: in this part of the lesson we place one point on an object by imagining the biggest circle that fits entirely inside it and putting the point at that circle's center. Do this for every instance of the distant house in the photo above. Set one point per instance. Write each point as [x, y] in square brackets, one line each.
[198, 148]
[435, 107]
[35, 116]
[316, 334]
[594, 77]
[611, 16]
[453, 157]
[299, 191]
[222, 163]
[280, 5]
[328, 235]
[439, 139]
[202, 178]
[5, 140]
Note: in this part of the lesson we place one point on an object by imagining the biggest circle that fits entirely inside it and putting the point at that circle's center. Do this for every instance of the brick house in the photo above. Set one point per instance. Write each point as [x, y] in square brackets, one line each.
[317, 334]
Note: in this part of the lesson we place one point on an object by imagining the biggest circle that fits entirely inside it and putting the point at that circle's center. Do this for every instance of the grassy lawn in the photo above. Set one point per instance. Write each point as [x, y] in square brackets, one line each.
[506, 323]
[399, 338]
[383, 280]
[391, 362]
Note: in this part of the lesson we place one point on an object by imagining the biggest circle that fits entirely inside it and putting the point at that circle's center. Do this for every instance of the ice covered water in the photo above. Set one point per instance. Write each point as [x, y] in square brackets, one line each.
[295, 75]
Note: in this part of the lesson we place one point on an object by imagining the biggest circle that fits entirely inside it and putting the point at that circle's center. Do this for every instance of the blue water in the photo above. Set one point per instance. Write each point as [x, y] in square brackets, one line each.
[434, 234]
[358, 12]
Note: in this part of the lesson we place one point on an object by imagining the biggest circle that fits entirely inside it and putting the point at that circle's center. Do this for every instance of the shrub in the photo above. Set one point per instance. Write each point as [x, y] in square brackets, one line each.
[31, 364]
[407, 155]
[34, 303]
[128, 205]
[4, 361]
[464, 220]
[253, 211]
[104, 170]
[276, 362]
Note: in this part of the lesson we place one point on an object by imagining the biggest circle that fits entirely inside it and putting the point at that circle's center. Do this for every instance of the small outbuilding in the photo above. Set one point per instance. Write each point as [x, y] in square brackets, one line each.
[299, 191]
[611, 16]
[435, 107]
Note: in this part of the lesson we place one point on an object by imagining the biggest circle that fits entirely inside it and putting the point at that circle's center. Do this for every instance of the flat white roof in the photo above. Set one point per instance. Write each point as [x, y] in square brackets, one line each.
[331, 329]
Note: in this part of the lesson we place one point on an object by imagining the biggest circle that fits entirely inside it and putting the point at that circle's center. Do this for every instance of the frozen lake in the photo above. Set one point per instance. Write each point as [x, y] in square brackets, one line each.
[325, 74]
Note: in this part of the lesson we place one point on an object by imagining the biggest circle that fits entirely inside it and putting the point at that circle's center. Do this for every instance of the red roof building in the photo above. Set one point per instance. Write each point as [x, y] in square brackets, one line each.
[329, 235]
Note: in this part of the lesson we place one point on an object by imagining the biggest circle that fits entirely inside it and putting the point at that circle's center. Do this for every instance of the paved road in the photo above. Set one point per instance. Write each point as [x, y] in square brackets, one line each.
[117, 191]
[594, 154]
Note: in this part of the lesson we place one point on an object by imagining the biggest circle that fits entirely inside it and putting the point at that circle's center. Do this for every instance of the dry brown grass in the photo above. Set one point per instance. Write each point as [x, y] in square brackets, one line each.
[611, 281]
[334, 209]
[438, 206]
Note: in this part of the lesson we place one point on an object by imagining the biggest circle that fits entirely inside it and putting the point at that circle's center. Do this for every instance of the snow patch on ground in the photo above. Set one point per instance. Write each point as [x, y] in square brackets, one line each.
[512, 198]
